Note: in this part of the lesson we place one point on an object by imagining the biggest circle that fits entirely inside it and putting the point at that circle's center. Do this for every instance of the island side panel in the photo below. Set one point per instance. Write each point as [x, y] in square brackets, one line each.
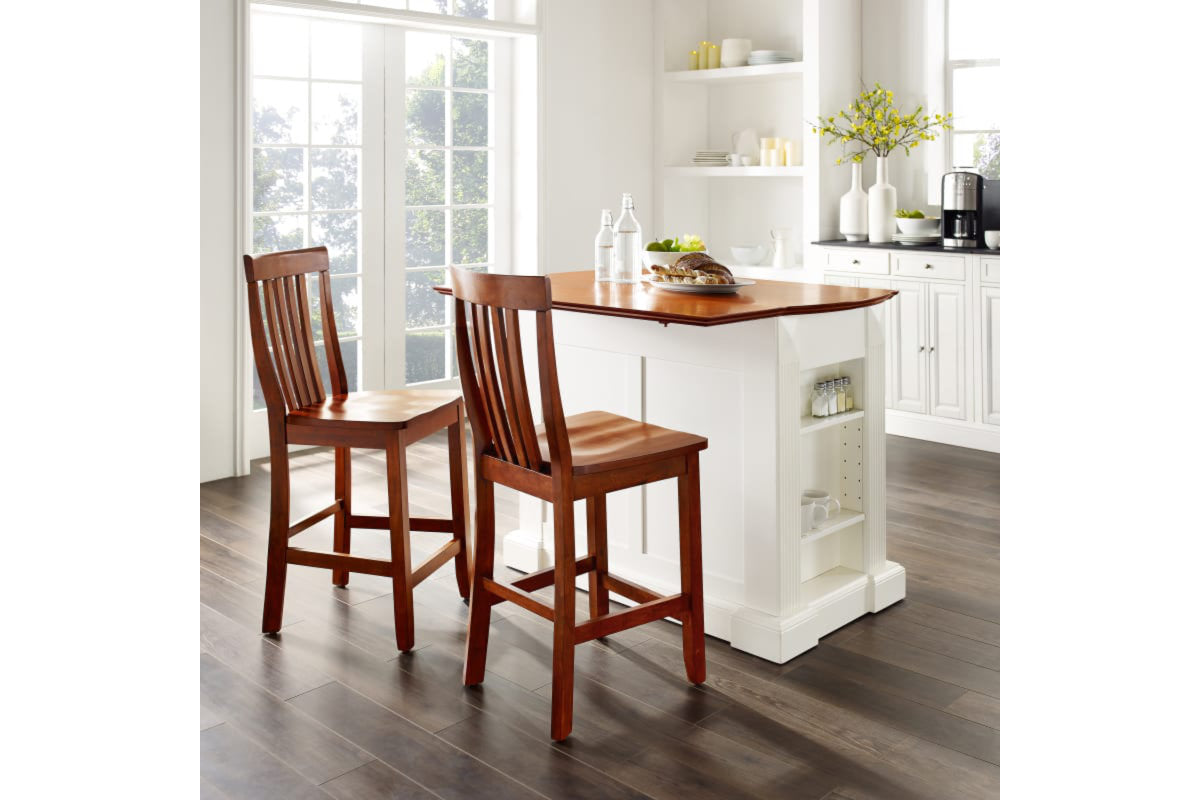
[887, 579]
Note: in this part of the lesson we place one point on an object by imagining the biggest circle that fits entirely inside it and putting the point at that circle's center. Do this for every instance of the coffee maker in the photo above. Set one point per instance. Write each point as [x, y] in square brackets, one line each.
[970, 206]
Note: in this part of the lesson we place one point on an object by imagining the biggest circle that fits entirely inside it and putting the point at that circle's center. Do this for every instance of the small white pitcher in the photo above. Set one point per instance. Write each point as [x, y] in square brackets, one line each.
[782, 240]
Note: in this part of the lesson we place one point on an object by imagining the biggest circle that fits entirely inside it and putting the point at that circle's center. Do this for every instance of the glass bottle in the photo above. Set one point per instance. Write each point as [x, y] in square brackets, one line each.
[840, 388]
[849, 394]
[604, 248]
[627, 244]
[818, 400]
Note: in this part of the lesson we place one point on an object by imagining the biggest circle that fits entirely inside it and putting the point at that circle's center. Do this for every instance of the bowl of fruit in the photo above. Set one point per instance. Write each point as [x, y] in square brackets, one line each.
[665, 252]
[915, 223]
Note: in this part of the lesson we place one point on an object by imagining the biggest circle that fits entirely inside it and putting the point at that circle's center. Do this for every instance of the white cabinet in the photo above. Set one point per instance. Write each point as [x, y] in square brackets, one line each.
[943, 354]
[989, 360]
[909, 374]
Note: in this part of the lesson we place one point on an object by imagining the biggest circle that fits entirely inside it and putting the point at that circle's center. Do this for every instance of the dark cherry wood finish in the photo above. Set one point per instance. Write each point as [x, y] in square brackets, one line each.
[584, 456]
[578, 291]
[300, 412]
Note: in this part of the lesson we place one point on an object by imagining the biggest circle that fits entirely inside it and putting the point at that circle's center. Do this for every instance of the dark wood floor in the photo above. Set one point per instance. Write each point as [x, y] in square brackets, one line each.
[902, 704]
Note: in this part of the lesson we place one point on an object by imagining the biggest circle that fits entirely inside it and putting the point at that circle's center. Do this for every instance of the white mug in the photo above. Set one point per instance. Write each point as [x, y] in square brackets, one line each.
[816, 506]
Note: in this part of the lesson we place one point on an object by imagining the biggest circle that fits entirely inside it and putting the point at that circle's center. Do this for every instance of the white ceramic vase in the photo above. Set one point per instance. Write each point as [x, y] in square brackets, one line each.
[881, 204]
[852, 216]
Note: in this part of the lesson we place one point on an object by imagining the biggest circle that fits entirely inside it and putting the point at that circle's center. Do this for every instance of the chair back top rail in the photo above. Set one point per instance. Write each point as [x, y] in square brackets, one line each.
[281, 330]
[492, 369]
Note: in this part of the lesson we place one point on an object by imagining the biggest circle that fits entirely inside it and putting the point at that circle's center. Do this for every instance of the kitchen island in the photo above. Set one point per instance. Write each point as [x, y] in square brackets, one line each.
[738, 369]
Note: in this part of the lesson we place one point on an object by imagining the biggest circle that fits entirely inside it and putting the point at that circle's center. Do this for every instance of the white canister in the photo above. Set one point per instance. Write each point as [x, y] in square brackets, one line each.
[735, 52]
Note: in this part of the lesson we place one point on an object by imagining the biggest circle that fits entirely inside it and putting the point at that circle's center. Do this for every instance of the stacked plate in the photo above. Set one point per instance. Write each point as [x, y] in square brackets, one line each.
[771, 57]
[922, 238]
[711, 158]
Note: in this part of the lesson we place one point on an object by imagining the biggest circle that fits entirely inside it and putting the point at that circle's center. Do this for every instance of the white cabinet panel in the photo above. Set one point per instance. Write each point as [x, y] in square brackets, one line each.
[853, 259]
[840, 280]
[989, 270]
[989, 314]
[907, 347]
[924, 265]
[947, 350]
[880, 283]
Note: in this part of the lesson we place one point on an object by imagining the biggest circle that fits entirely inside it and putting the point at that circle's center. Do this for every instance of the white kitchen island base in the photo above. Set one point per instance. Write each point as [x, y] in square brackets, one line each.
[770, 589]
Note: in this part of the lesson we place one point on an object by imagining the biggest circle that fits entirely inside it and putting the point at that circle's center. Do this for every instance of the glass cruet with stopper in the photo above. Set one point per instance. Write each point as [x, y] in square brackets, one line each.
[604, 248]
[627, 244]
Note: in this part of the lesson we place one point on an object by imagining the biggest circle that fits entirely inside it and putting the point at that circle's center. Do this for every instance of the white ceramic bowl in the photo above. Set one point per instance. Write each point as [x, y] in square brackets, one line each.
[918, 227]
[735, 52]
[992, 239]
[651, 258]
[748, 254]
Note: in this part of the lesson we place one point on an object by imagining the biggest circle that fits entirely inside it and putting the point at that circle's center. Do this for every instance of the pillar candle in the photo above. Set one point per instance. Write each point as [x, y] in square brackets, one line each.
[703, 55]
[693, 60]
[714, 56]
[789, 153]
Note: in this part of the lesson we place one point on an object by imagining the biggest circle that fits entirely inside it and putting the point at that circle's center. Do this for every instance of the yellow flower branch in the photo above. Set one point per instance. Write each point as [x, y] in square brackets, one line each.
[873, 122]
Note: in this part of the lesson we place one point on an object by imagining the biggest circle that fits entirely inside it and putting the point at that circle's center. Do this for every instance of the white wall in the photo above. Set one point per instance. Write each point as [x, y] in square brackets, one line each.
[218, 231]
[597, 122]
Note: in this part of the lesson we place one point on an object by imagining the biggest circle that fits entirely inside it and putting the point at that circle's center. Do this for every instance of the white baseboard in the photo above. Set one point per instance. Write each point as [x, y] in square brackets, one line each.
[977, 436]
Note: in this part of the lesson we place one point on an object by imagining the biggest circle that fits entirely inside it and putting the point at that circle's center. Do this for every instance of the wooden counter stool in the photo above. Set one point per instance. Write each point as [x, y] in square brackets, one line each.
[299, 412]
[582, 456]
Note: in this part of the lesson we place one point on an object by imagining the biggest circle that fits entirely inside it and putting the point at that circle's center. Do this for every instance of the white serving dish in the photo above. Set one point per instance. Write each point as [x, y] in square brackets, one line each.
[652, 258]
[699, 288]
[918, 227]
[750, 255]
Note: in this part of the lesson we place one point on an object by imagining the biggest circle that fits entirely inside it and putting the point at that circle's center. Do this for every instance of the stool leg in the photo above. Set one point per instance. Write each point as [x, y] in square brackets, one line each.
[277, 541]
[460, 503]
[341, 520]
[479, 618]
[597, 532]
[397, 486]
[563, 682]
[691, 577]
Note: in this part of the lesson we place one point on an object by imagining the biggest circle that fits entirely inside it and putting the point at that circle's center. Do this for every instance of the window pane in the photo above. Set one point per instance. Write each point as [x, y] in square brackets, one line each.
[425, 117]
[979, 151]
[425, 238]
[280, 46]
[314, 307]
[278, 233]
[334, 178]
[351, 358]
[338, 232]
[432, 6]
[336, 51]
[470, 112]
[336, 113]
[471, 63]
[470, 179]
[974, 29]
[425, 356]
[345, 305]
[425, 178]
[423, 307]
[473, 8]
[470, 235]
[278, 179]
[280, 112]
[976, 101]
[425, 59]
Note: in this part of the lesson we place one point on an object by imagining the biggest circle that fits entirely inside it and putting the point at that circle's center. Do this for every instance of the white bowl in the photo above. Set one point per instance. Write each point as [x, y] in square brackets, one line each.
[918, 227]
[653, 258]
[992, 239]
[748, 254]
[735, 52]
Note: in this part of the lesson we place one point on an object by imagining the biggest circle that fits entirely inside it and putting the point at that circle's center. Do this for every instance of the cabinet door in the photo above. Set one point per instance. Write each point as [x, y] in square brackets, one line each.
[907, 344]
[833, 279]
[947, 350]
[989, 337]
[876, 283]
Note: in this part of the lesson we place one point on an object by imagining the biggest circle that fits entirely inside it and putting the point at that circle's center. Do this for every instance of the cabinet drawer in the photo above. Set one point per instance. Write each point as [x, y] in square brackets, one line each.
[927, 265]
[989, 270]
[854, 260]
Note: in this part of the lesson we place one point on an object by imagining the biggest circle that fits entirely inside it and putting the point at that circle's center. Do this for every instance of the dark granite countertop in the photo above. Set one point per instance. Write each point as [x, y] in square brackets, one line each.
[929, 248]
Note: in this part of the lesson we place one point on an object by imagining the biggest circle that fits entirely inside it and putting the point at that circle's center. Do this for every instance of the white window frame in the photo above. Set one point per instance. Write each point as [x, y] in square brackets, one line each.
[951, 67]
[383, 283]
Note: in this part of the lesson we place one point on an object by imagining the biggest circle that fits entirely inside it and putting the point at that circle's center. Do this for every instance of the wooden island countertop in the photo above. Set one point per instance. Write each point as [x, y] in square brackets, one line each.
[578, 291]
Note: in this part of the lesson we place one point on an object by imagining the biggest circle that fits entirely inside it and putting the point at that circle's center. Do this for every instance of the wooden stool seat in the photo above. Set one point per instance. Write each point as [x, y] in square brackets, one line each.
[601, 441]
[300, 412]
[581, 457]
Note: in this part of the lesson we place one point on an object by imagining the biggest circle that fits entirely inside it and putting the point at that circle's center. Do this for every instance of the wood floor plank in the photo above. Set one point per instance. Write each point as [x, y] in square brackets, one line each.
[934, 640]
[294, 738]
[241, 770]
[375, 781]
[977, 707]
[418, 754]
[236, 602]
[882, 676]
[951, 670]
[254, 657]
[949, 621]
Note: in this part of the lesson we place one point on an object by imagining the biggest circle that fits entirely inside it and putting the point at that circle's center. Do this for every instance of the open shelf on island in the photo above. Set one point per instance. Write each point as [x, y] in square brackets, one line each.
[734, 172]
[747, 74]
[832, 581]
[809, 424]
[843, 519]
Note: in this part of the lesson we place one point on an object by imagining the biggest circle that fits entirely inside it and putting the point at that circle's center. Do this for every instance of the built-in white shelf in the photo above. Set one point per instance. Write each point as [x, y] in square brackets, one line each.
[810, 424]
[843, 519]
[754, 74]
[735, 172]
[830, 584]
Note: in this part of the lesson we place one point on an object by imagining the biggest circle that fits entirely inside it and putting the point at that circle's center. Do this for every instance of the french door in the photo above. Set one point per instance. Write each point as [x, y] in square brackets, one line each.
[381, 144]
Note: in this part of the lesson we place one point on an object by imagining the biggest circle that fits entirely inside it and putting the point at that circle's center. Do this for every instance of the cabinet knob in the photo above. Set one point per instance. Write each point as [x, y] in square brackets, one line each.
[929, 266]
[931, 348]
[854, 261]
[921, 349]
